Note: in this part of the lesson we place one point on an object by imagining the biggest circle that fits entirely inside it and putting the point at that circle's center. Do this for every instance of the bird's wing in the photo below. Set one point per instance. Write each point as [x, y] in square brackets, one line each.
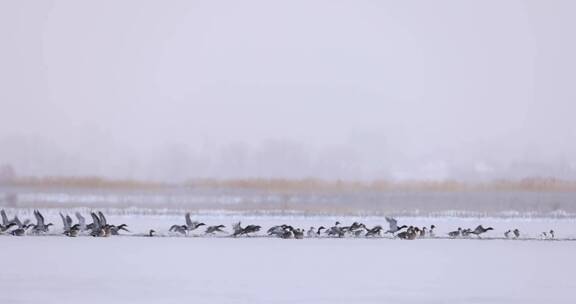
[69, 220]
[174, 228]
[64, 222]
[36, 216]
[189, 222]
[5, 220]
[17, 221]
[95, 220]
[81, 219]
[275, 229]
[392, 222]
[39, 218]
[102, 218]
[237, 227]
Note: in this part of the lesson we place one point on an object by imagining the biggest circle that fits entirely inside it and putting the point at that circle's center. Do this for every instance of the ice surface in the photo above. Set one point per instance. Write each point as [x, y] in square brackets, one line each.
[54, 269]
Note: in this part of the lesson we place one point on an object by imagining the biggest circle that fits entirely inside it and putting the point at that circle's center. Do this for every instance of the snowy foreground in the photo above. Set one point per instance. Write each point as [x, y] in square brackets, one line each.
[54, 269]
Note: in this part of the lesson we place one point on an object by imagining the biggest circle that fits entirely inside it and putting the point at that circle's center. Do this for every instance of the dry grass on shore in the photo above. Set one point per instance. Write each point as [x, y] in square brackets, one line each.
[303, 185]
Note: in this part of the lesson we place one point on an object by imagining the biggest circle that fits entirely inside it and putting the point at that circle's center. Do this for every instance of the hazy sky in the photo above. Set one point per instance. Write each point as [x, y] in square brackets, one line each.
[336, 89]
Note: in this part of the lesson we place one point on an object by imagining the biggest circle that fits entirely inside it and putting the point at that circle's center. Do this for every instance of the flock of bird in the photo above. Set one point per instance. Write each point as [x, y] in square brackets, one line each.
[101, 228]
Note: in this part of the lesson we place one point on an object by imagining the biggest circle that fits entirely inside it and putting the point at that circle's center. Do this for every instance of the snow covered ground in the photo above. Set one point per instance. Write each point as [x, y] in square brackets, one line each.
[54, 269]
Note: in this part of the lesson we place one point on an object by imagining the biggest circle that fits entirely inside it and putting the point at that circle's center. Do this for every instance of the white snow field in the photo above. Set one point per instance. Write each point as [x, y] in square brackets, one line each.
[55, 269]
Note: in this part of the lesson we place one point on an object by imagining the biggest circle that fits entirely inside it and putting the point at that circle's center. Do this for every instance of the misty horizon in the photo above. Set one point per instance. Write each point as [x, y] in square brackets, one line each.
[332, 90]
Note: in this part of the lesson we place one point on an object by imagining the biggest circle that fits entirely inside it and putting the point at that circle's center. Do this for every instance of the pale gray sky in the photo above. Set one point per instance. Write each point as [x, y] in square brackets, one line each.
[170, 90]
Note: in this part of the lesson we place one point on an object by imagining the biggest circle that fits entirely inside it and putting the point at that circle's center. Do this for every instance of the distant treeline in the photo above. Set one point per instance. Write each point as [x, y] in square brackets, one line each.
[304, 185]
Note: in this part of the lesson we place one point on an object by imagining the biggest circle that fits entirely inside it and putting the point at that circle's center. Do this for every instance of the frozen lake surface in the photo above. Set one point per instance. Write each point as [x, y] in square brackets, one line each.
[258, 270]
[134, 269]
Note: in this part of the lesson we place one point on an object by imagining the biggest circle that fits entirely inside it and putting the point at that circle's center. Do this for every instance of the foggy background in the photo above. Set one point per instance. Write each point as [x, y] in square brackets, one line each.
[172, 90]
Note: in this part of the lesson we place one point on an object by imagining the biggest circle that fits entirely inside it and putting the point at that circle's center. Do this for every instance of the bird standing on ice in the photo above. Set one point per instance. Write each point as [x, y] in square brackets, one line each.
[455, 234]
[431, 231]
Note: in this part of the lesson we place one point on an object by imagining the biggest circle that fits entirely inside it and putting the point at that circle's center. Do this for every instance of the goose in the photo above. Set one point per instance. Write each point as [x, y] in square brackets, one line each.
[238, 230]
[454, 234]
[409, 234]
[40, 225]
[466, 232]
[507, 233]
[5, 228]
[282, 231]
[182, 229]
[480, 230]
[352, 227]
[431, 231]
[72, 231]
[393, 226]
[544, 235]
[311, 232]
[358, 232]
[16, 220]
[100, 227]
[19, 223]
[375, 231]
[96, 224]
[423, 232]
[214, 229]
[415, 233]
[114, 230]
[403, 235]
[298, 233]
[237, 227]
[251, 229]
[288, 233]
[336, 230]
[20, 231]
[192, 225]
[516, 233]
[151, 233]
[100, 231]
[357, 229]
[552, 234]
[278, 230]
[66, 222]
